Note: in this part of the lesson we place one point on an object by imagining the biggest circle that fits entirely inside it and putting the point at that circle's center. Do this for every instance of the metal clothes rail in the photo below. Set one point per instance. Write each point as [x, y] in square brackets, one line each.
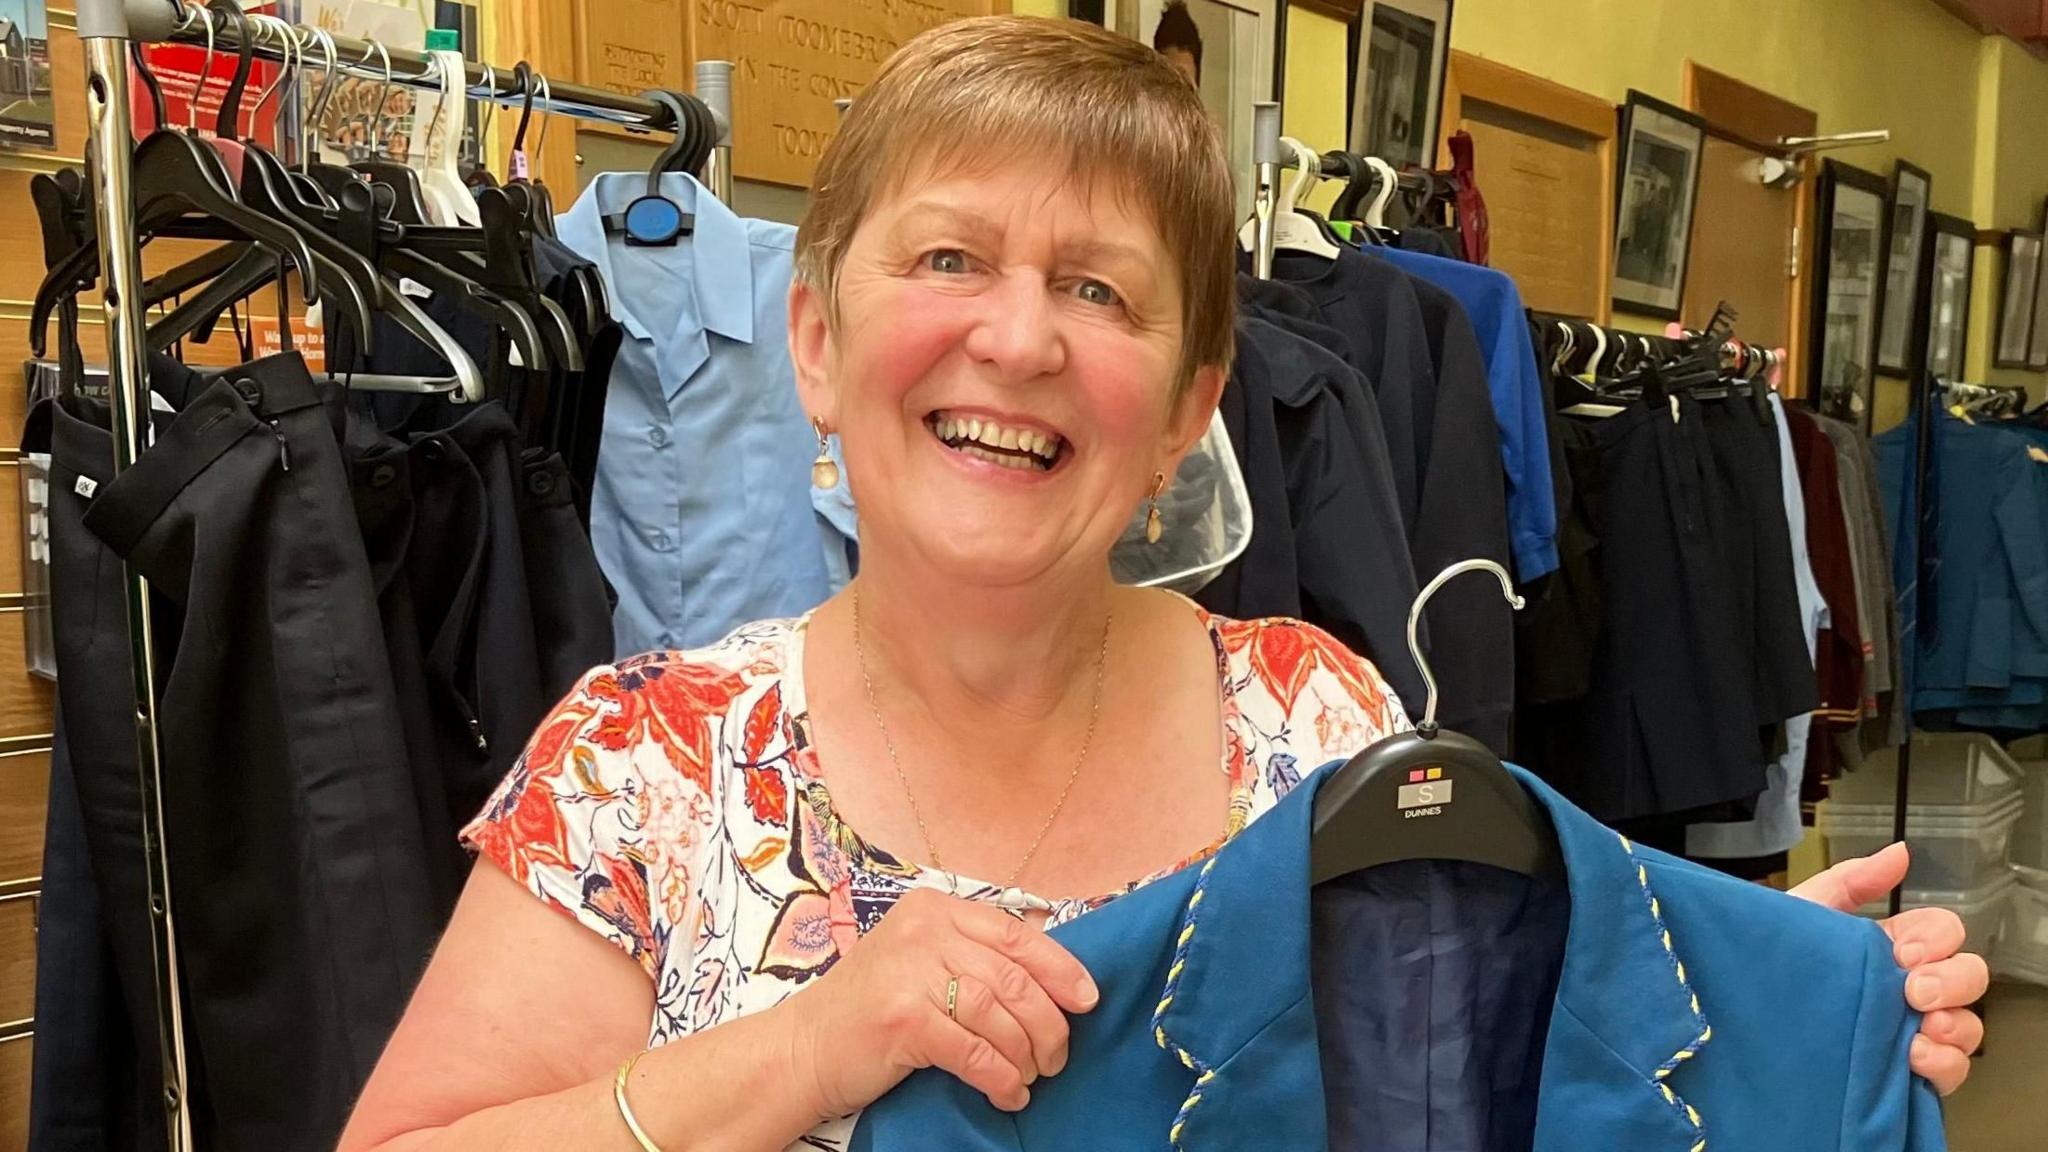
[106, 27]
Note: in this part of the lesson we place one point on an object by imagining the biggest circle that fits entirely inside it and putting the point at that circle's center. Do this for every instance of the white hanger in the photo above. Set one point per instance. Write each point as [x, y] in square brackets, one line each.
[1295, 231]
[1591, 376]
[1390, 182]
[441, 178]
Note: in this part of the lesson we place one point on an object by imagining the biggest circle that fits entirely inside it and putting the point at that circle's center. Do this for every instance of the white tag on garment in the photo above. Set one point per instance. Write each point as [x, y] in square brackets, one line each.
[412, 287]
[86, 486]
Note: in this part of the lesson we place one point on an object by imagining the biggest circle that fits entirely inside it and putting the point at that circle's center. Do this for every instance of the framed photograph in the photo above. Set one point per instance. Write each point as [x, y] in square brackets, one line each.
[2016, 309]
[1227, 48]
[1399, 51]
[1848, 277]
[1657, 188]
[28, 108]
[1910, 189]
[1948, 296]
[2037, 344]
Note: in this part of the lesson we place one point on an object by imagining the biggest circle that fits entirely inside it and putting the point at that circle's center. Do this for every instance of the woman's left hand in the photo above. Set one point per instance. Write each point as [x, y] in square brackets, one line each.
[1942, 981]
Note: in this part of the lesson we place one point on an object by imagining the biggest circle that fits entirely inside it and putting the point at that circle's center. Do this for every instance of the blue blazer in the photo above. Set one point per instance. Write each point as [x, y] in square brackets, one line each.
[1644, 1004]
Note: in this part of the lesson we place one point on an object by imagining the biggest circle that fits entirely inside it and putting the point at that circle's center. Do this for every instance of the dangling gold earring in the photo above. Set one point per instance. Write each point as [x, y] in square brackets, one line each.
[824, 470]
[1154, 526]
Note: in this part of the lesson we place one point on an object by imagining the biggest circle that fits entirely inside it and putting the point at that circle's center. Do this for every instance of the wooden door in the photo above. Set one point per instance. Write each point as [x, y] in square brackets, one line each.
[1752, 245]
[1743, 247]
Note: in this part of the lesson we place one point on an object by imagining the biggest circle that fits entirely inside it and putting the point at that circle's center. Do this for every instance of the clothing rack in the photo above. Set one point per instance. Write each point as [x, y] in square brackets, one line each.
[107, 28]
[1657, 349]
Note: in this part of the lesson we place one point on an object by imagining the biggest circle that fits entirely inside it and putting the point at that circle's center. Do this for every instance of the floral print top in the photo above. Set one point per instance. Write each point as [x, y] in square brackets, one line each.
[674, 805]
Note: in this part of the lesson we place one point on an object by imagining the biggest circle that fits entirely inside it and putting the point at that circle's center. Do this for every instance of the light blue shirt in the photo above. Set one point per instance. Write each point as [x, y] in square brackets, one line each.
[702, 513]
[1777, 827]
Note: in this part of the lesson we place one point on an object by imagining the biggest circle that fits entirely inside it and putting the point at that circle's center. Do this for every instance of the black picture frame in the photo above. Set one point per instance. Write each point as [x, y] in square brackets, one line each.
[1365, 136]
[1908, 234]
[2037, 342]
[1656, 192]
[2021, 281]
[1852, 244]
[1945, 300]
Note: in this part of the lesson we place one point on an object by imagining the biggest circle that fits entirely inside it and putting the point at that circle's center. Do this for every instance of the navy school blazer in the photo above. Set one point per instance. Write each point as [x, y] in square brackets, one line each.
[1643, 1004]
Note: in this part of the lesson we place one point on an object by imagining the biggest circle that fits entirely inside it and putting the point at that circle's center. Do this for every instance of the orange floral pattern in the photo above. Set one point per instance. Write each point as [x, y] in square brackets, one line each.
[673, 804]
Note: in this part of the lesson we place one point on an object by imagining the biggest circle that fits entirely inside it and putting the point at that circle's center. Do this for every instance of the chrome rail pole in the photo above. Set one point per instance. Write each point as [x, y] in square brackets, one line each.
[105, 27]
[714, 88]
[1267, 156]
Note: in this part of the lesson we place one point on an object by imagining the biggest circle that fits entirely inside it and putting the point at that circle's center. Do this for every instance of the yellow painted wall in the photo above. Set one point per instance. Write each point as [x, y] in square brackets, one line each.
[1971, 110]
[1039, 7]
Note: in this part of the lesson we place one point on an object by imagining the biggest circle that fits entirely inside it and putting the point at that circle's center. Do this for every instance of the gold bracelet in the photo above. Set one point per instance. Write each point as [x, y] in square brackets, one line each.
[647, 1143]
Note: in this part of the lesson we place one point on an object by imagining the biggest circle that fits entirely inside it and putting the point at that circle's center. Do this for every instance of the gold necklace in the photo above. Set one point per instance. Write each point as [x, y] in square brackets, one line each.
[896, 762]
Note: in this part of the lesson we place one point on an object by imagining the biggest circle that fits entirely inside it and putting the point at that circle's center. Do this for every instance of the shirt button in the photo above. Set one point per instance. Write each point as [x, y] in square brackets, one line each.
[661, 542]
[657, 436]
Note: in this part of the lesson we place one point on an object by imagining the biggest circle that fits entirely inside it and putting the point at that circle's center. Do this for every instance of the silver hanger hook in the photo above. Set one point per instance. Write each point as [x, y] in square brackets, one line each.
[288, 45]
[547, 103]
[487, 115]
[205, 70]
[1507, 588]
[316, 110]
[383, 95]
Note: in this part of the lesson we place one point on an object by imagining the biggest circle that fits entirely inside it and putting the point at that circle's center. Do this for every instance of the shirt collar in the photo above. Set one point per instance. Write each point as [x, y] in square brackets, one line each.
[721, 260]
[1625, 1017]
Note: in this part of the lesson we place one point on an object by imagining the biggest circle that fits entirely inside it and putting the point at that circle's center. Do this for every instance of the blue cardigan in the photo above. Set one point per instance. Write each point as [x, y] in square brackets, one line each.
[1644, 1004]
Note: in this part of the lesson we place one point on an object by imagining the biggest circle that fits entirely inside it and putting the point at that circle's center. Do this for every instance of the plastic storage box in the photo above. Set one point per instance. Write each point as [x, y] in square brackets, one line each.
[2022, 951]
[1983, 908]
[2030, 838]
[1965, 801]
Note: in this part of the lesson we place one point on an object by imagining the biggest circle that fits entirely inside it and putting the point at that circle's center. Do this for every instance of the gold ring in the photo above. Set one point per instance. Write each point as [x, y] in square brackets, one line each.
[953, 999]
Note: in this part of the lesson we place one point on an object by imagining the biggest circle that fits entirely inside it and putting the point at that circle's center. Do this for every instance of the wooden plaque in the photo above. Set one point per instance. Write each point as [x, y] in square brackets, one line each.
[793, 58]
[630, 46]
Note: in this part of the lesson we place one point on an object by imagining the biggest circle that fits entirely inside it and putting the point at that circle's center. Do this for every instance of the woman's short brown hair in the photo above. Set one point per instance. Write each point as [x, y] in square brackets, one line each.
[994, 88]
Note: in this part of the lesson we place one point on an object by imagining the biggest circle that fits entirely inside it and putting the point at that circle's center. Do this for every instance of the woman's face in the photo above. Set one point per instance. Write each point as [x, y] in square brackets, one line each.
[1001, 376]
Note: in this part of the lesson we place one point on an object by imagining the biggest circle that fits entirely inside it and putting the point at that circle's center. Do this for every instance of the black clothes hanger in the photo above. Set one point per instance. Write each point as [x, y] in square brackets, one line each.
[1431, 793]
[654, 220]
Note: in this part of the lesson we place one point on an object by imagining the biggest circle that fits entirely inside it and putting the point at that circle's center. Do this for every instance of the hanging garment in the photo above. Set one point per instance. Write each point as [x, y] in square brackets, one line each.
[1426, 1005]
[1974, 612]
[1878, 610]
[295, 845]
[1429, 385]
[1471, 630]
[89, 624]
[1668, 724]
[86, 1091]
[1748, 520]
[1514, 387]
[1326, 541]
[1777, 827]
[1839, 654]
[701, 514]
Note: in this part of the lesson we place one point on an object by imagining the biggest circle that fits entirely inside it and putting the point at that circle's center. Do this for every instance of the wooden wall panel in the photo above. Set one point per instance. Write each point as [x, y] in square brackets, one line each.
[1543, 155]
[24, 791]
[17, 958]
[14, 1073]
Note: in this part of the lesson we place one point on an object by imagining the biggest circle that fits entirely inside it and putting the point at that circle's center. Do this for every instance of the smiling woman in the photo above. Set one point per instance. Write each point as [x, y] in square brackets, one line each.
[732, 896]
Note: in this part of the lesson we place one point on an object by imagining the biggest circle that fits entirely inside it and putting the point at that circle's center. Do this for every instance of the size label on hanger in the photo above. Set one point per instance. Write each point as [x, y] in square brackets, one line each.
[1427, 793]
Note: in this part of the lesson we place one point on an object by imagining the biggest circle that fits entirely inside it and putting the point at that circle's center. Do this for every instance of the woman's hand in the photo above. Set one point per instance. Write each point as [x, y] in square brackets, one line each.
[880, 1013]
[1927, 942]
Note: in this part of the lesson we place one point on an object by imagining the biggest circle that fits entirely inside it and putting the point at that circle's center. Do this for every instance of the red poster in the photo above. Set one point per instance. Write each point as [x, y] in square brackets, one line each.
[178, 67]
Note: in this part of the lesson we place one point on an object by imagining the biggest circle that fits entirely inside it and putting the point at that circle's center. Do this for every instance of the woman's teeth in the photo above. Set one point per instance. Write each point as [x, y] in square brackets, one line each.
[983, 439]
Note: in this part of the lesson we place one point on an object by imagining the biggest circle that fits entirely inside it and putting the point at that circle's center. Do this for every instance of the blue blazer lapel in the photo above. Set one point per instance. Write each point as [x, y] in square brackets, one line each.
[1627, 1023]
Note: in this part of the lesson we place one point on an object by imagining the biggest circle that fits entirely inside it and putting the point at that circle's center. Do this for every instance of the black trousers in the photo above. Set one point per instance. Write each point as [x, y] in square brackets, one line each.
[87, 1092]
[492, 596]
[1755, 542]
[97, 731]
[294, 838]
[1668, 724]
